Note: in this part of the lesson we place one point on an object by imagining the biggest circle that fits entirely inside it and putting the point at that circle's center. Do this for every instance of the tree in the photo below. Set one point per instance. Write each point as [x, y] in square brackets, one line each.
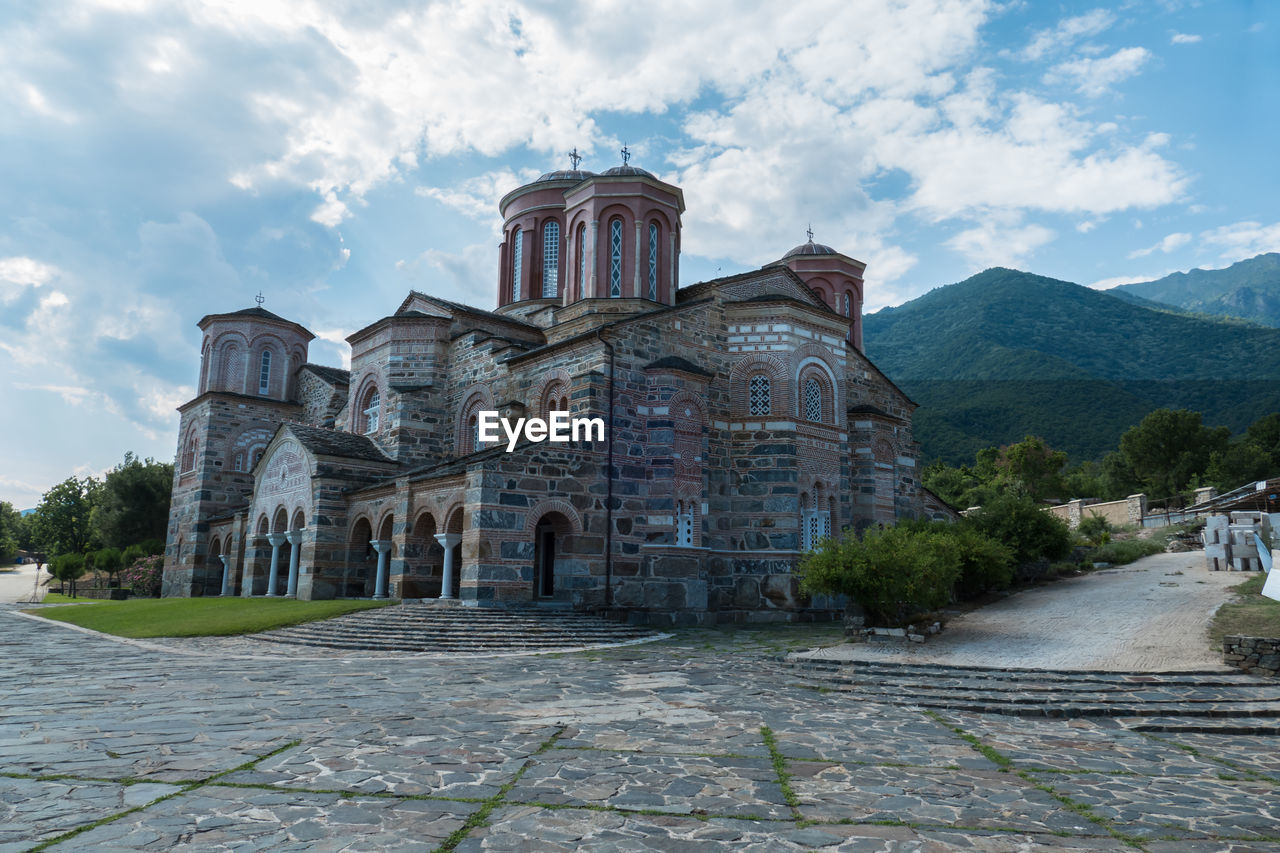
[134, 502]
[108, 560]
[10, 530]
[1168, 448]
[1018, 522]
[67, 567]
[1034, 465]
[60, 524]
[1240, 463]
[1264, 433]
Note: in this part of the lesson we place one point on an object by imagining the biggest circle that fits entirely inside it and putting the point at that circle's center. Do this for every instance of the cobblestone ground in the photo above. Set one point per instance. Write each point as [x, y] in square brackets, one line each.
[701, 742]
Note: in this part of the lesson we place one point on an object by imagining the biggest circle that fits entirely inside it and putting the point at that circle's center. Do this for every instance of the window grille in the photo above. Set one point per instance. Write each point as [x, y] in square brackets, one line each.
[517, 260]
[582, 258]
[550, 259]
[684, 524]
[813, 400]
[372, 412]
[653, 261]
[758, 395]
[264, 374]
[615, 258]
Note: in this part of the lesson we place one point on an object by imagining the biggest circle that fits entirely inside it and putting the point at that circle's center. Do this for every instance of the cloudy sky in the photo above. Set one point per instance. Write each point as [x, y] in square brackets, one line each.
[164, 160]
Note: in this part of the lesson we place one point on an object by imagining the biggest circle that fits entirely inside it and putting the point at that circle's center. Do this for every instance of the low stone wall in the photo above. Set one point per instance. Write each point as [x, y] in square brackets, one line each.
[1131, 510]
[1255, 655]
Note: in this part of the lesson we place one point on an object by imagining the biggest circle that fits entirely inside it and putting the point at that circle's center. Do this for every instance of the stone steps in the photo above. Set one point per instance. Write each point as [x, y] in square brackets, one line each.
[452, 628]
[1181, 701]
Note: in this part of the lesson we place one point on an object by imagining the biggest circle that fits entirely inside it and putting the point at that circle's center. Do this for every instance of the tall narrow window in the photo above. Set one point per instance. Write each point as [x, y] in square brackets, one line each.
[264, 373]
[517, 261]
[813, 400]
[653, 261]
[372, 412]
[846, 306]
[550, 259]
[684, 524]
[239, 461]
[582, 259]
[615, 257]
[758, 394]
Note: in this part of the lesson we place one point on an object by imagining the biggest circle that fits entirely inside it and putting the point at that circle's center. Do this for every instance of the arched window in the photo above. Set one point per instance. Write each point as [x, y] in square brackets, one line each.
[846, 306]
[474, 428]
[550, 259]
[813, 400]
[264, 373]
[758, 394]
[653, 261]
[189, 455]
[255, 455]
[372, 411]
[517, 262]
[582, 258]
[239, 461]
[615, 257]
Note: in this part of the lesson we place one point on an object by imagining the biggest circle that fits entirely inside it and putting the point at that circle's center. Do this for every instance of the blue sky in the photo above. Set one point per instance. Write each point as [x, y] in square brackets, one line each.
[161, 161]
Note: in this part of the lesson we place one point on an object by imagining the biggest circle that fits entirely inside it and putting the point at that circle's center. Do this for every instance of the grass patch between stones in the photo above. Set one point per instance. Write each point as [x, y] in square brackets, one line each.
[198, 617]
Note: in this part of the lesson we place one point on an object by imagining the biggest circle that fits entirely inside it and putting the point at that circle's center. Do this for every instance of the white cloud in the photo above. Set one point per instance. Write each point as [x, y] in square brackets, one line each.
[1242, 240]
[478, 197]
[1116, 281]
[1170, 243]
[1095, 77]
[997, 244]
[1067, 32]
[1184, 38]
[18, 273]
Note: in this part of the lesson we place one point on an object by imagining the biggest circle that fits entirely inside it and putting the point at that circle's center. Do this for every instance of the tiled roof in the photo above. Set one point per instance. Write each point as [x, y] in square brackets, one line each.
[332, 442]
[335, 375]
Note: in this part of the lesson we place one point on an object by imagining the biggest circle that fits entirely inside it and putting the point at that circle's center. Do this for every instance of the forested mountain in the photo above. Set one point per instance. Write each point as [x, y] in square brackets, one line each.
[1006, 353]
[1249, 289]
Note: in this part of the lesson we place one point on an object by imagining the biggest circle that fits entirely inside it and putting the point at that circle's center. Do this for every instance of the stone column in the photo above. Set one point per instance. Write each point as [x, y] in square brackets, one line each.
[383, 547]
[276, 540]
[448, 541]
[226, 575]
[295, 550]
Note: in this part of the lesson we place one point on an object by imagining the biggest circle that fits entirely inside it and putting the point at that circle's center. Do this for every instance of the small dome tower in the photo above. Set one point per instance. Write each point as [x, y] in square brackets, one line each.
[253, 352]
[836, 278]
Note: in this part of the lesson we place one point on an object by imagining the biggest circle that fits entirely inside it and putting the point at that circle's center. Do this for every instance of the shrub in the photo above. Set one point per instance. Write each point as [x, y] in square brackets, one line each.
[144, 577]
[985, 564]
[67, 567]
[894, 573]
[1020, 523]
[1125, 551]
[108, 560]
[1096, 529]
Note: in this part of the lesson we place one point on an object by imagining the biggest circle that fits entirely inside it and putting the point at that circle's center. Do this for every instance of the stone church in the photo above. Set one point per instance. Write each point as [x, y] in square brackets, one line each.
[743, 423]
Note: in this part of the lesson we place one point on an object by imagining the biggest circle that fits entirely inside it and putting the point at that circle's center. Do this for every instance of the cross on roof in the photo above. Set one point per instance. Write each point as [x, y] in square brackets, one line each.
[626, 155]
[574, 157]
[809, 231]
[259, 299]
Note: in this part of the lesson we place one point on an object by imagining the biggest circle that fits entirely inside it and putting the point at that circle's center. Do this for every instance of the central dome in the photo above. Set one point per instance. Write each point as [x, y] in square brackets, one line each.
[810, 248]
[629, 171]
[566, 175]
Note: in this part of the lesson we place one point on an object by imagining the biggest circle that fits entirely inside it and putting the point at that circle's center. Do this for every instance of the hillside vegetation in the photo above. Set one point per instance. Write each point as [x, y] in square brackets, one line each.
[1249, 289]
[1006, 354]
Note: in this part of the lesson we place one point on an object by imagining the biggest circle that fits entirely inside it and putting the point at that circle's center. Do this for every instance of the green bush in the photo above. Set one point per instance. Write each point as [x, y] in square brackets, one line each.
[894, 573]
[1096, 529]
[1028, 530]
[1124, 551]
[985, 564]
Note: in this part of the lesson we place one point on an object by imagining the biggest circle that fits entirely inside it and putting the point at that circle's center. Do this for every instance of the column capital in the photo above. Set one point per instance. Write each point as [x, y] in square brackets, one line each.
[448, 540]
[294, 536]
[382, 546]
[276, 539]
[223, 558]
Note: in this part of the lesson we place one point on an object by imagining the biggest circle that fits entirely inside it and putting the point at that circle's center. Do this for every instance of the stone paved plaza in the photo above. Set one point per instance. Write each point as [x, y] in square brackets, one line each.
[704, 741]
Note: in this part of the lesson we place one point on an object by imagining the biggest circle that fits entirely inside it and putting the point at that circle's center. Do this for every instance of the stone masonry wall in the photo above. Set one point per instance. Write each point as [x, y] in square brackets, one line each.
[1255, 655]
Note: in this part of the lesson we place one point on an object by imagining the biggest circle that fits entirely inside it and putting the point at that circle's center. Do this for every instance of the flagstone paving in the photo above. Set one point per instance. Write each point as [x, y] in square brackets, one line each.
[706, 741]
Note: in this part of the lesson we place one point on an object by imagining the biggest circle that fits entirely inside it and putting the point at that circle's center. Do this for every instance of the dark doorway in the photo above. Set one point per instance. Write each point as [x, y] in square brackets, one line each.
[544, 563]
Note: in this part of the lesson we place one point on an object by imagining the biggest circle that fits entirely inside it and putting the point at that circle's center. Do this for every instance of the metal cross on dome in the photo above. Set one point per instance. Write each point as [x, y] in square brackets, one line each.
[259, 299]
[574, 157]
[626, 155]
[809, 231]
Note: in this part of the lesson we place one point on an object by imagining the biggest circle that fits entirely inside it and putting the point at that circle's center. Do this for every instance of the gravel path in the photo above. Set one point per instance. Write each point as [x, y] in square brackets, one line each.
[1149, 616]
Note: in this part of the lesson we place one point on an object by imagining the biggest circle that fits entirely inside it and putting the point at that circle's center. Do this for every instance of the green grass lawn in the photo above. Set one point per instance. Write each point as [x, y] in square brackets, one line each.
[193, 617]
[1250, 615]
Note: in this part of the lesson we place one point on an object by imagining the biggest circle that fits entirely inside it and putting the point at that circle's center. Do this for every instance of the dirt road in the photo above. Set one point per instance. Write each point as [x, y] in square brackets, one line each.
[1148, 616]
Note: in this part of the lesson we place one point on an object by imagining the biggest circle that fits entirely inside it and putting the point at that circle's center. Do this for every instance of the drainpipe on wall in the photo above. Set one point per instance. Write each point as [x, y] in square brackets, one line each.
[608, 501]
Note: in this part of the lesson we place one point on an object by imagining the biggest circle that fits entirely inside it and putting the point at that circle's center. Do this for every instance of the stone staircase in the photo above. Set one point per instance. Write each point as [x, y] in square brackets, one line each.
[446, 627]
[1200, 701]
